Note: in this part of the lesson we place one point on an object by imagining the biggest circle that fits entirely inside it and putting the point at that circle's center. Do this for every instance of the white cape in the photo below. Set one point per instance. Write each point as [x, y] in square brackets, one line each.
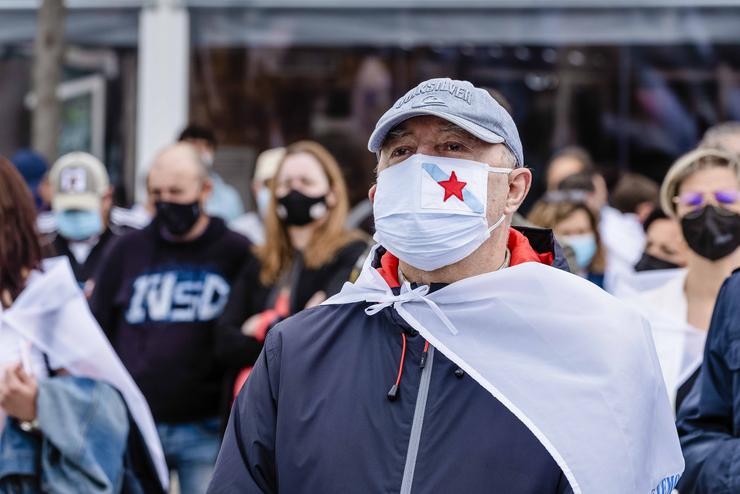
[53, 316]
[659, 296]
[570, 361]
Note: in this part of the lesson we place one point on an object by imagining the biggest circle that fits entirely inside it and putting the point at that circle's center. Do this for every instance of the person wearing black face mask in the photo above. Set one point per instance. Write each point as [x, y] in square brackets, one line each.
[665, 247]
[158, 297]
[307, 256]
[699, 193]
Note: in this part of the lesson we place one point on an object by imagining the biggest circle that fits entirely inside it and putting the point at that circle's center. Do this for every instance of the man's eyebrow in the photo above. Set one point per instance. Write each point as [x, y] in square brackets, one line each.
[397, 133]
[394, 134]
[451, 128]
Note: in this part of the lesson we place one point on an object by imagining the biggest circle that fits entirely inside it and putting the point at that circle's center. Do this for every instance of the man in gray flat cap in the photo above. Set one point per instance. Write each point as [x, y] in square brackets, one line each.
[455, 363]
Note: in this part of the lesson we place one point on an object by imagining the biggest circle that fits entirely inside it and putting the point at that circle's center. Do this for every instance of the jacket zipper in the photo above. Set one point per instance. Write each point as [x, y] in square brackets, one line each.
[416, 426]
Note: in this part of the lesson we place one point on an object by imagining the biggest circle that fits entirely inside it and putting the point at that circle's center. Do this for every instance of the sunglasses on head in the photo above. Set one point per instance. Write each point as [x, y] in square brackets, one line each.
[697, 199]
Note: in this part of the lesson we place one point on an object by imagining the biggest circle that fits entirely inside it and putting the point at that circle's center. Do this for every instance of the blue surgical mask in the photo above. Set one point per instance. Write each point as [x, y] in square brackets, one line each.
[79, 225]
[584, 248]
[263, 200]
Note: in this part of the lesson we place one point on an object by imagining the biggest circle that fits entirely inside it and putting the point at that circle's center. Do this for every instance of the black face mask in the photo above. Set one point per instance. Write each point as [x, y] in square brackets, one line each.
[711, 232]
[650, 263]
[298, 209]
[176, 218]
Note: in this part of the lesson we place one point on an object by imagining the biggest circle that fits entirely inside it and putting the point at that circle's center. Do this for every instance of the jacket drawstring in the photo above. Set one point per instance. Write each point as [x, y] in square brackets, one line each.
[393, 392]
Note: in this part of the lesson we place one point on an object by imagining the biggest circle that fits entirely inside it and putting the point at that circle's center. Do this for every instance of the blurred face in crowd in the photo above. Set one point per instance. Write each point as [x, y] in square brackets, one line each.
[560, 168]
[303, 173]
[179, 187]
[664, 241]
[302, 190]
[578, 223]
[708, 207]
[716, 186]
[577, 232]
[434, 136]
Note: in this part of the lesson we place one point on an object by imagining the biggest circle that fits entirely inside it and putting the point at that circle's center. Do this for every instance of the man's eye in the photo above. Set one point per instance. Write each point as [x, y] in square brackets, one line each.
[400, 151]
[455, 147]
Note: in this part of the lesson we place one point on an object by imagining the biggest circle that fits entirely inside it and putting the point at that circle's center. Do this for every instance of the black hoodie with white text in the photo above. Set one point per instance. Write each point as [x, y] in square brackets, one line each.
[158, 301]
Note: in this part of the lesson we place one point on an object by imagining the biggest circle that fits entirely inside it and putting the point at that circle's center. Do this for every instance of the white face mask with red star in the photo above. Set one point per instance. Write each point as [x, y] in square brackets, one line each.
[430, 212]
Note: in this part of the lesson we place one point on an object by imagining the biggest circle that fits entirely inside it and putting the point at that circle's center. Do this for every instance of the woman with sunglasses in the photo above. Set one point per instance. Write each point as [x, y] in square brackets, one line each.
[701, 192]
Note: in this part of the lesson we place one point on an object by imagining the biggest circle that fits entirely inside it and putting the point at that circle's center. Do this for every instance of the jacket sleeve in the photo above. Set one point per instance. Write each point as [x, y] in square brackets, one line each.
[85, 428]
[232, 347]
[705, 419]
[246, 463]
[107, 281]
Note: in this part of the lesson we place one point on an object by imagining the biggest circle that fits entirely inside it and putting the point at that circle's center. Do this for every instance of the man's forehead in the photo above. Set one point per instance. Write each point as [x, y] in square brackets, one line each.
[174, 173]
[426, 124]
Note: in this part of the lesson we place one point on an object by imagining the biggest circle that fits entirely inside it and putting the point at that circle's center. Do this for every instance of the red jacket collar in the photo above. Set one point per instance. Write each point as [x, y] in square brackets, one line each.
[518, 244]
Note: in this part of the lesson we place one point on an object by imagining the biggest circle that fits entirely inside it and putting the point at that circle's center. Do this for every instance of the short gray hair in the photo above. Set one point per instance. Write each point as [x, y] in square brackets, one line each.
[509, 158]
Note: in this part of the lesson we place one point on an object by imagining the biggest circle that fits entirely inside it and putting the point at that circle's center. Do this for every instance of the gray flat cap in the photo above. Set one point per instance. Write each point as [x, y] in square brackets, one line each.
[459, 102]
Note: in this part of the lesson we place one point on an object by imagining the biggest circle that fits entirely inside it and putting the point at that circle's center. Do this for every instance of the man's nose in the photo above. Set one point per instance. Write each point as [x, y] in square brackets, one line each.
[426, 148]
[165, 196]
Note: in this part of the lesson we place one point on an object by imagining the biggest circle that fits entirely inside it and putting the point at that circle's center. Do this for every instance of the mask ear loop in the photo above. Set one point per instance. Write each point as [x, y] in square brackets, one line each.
[493, 169]
[505, 171]
[497, 224]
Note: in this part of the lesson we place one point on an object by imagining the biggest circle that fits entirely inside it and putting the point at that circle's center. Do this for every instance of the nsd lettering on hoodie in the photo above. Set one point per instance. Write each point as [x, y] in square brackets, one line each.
[159, 301]
[178, 295]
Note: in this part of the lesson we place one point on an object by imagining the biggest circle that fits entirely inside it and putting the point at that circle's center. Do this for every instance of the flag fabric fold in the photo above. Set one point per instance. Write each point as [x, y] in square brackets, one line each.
[52, 315]
[574, 364]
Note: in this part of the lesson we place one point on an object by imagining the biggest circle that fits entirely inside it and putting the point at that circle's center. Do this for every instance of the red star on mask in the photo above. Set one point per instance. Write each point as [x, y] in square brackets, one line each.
[452, 187]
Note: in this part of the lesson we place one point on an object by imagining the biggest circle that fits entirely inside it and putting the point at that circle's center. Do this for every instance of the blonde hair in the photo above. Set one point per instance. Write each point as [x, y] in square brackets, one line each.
[717, 135]
[276, 255]
[688, 164]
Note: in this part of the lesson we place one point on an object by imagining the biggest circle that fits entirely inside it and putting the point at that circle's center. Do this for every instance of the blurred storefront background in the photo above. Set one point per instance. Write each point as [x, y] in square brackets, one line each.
[635, 84]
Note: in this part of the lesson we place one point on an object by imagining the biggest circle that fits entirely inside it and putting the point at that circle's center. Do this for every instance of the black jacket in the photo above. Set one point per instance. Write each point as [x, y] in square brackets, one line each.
[249, 296]
[314, 417]
[86, 270]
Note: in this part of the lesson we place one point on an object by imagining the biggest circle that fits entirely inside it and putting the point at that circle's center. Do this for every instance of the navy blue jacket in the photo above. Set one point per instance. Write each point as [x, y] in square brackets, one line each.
[314, 416]
[709, 418]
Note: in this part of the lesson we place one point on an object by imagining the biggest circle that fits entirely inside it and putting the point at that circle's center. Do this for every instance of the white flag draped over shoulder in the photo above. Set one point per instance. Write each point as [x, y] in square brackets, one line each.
[659, 296]
[573, 363]
[52, 314]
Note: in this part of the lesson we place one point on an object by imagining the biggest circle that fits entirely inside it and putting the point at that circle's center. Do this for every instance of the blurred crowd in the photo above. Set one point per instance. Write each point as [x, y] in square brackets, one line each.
[187, 286]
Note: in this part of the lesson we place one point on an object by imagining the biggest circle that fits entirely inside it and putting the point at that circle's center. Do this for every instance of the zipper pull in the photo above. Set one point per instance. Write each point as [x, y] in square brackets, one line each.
[424, 355]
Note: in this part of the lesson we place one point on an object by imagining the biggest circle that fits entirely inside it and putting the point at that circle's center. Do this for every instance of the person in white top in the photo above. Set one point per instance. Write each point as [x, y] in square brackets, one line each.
[701, 192]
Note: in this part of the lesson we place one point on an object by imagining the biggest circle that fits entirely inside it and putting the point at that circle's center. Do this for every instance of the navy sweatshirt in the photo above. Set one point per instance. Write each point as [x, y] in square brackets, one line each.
[709, 418]
[158, 302]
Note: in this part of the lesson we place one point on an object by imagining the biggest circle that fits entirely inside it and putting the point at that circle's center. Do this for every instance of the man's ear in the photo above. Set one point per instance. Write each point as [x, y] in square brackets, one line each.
[371, 193]
[520, 181]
